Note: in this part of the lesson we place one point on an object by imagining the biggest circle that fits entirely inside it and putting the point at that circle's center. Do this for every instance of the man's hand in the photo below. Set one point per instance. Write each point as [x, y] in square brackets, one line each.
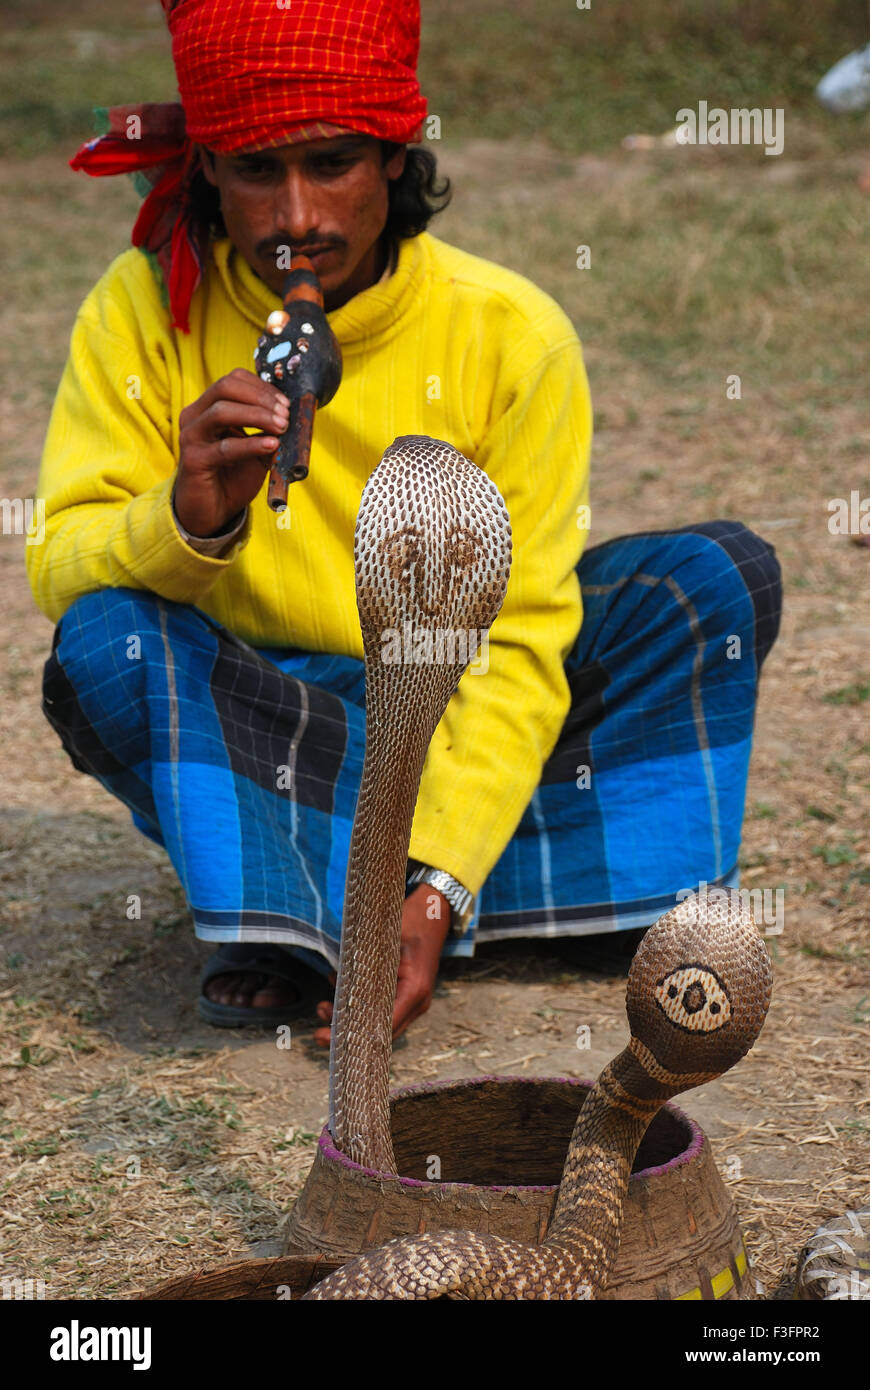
[220, 468]
[422, 939]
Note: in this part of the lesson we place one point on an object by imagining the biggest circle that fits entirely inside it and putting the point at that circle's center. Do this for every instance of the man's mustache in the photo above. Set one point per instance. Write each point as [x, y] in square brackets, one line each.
[274, 246]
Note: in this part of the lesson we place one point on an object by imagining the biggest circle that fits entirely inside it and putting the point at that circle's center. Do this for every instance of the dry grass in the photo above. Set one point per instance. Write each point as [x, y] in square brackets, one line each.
[117, 1167]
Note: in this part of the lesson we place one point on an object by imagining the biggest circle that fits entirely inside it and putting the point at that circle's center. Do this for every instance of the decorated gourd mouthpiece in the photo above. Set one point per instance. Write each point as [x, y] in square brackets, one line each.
[299, 354]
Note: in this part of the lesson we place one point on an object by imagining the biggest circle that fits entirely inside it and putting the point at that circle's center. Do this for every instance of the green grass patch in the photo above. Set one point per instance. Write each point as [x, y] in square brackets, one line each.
[836, 854]
[854, 694]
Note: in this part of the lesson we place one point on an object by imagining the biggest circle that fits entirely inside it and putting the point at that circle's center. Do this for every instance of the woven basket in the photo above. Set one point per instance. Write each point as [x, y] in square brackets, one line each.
[501, 1144]
[835, 1262]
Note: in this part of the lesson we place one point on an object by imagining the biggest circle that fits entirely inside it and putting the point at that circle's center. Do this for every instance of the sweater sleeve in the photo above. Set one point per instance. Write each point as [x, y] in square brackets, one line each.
[108, 467]
[486, 758]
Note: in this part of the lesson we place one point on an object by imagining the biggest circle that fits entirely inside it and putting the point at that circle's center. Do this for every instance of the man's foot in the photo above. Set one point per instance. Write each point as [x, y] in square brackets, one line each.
[257, 985]
[251, 989]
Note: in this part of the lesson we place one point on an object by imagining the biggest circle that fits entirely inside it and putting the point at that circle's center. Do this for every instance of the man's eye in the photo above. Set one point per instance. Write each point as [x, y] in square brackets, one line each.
[254, 168]
[335, 162]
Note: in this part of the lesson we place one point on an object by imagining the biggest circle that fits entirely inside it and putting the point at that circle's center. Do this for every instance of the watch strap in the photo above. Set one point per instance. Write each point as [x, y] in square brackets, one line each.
[457, 895]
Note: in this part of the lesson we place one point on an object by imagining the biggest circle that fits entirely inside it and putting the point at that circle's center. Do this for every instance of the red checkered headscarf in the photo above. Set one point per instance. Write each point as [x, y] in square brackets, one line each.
[251, 74]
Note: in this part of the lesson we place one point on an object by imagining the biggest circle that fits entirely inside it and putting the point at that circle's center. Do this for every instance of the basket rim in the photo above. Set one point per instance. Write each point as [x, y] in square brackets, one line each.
[697, 1138]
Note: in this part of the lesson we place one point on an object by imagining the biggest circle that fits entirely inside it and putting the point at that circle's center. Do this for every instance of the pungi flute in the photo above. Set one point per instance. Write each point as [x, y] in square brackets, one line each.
[299, 354]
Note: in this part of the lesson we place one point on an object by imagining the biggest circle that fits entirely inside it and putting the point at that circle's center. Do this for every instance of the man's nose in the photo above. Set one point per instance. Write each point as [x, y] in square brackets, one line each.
[296, 206]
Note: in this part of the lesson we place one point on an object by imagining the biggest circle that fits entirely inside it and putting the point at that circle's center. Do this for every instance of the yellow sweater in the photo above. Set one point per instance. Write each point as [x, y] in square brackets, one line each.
[449, 345]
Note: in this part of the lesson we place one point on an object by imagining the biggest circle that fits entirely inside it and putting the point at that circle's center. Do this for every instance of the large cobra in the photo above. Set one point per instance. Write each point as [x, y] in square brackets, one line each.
[432, 554]
[698, 992]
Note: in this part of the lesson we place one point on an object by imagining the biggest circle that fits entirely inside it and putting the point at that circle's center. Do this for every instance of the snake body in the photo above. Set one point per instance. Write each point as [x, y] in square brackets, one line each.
[432, 553]
[433, 548]
[698, 992]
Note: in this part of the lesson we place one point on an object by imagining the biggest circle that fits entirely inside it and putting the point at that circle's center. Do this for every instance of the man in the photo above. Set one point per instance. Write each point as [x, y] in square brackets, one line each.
[206, 666]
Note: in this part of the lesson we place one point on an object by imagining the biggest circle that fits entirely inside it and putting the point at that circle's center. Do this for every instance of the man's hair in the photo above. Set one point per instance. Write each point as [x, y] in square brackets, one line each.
[417, 194]
[414, 197]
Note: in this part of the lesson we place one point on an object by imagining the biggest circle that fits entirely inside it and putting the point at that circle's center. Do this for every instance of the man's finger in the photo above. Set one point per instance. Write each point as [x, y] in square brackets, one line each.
[322, 1036]
[254, 446]
[227, 417]
[241, 386]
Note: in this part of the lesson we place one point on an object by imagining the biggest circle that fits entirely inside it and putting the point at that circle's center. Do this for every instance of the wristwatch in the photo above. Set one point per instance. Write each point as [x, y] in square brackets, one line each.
[459, 898]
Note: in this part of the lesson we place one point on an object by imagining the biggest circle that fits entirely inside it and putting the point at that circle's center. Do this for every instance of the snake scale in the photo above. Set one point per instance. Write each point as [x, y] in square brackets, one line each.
[433, 552]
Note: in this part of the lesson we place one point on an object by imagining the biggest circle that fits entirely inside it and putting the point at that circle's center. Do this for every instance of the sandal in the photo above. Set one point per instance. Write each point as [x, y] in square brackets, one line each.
[260, 958]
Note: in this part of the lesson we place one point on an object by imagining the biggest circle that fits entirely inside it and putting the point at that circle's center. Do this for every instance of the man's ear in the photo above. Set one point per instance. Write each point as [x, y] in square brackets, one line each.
[395, 165]
[206, 159]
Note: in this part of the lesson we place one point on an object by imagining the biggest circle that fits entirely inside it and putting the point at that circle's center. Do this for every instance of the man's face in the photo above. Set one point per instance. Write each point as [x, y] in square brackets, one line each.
[326, 199]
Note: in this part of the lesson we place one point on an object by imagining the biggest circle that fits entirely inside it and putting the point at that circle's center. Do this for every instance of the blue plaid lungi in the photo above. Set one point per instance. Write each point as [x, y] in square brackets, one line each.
[642, 796]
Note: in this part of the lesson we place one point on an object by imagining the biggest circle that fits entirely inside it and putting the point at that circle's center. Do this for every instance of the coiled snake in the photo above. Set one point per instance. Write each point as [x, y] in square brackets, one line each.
[433, 547]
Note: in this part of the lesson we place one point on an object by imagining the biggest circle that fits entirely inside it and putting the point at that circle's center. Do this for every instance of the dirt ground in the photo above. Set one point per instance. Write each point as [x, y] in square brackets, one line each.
[139, 1142]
